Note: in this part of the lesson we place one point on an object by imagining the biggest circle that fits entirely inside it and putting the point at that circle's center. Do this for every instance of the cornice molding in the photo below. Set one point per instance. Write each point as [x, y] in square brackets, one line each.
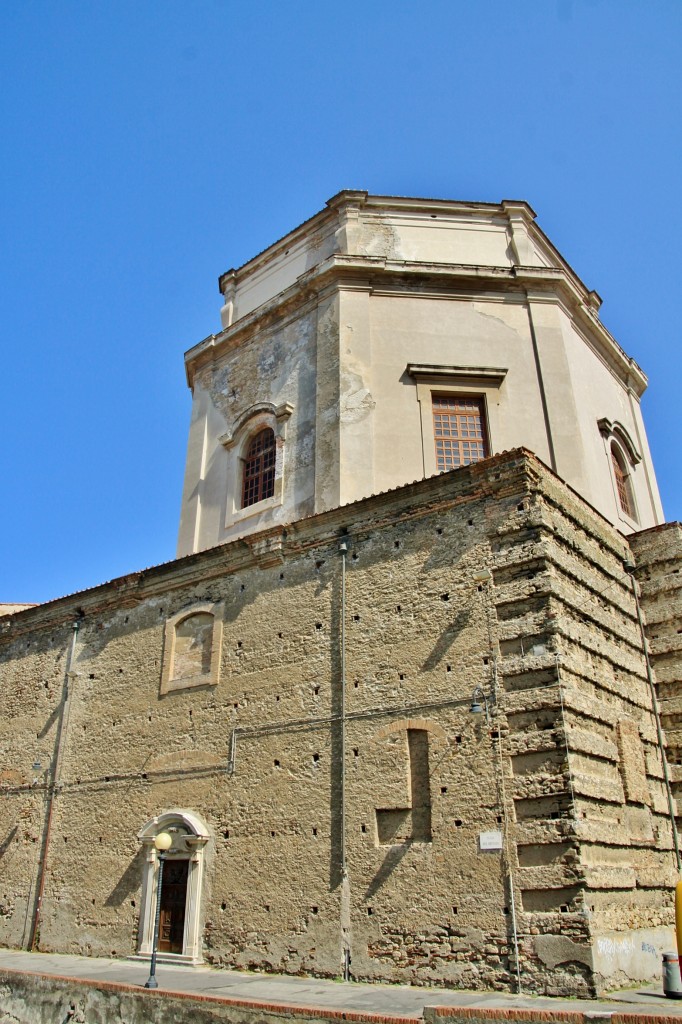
[382, 275]
[492, 376]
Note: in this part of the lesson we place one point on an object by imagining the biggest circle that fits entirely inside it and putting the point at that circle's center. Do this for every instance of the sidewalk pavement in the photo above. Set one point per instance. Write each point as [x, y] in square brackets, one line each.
[387, 1000]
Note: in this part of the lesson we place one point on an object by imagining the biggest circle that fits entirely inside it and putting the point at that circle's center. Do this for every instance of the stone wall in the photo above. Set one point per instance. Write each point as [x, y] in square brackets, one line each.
[588, 758]
[28, 998]
[547, 811]
[34, 998]
[658, 554]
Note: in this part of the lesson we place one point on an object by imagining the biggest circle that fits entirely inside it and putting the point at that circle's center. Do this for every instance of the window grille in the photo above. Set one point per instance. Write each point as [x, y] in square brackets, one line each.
[459, 431]
[259, 468]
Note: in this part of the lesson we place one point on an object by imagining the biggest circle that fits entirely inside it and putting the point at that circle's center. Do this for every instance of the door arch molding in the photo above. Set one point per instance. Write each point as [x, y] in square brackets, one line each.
[190, 837]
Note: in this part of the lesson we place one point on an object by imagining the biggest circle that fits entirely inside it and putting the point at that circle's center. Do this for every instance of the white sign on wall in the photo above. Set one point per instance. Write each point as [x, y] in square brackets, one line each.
[490, 840]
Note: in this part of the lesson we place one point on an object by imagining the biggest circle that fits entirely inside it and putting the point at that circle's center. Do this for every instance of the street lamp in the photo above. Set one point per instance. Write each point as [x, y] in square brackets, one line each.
[163, 843]
[476, 706]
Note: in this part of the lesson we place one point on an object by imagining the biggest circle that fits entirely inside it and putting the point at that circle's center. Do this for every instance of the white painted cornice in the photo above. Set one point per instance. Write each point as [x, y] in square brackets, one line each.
[353, 200]
[382, 275]
[490, 375]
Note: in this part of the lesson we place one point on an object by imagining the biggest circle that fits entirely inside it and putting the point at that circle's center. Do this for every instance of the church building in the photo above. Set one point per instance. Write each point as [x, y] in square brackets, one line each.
[394, 700]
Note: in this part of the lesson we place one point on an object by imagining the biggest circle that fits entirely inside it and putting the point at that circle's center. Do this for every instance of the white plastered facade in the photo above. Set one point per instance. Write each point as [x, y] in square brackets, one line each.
[337, 335]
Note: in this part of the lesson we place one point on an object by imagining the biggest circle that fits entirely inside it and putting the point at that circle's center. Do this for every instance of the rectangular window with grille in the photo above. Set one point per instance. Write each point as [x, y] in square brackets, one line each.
[459, 431]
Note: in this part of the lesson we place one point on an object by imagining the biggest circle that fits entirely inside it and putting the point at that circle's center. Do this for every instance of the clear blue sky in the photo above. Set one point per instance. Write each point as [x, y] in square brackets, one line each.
[150, 146]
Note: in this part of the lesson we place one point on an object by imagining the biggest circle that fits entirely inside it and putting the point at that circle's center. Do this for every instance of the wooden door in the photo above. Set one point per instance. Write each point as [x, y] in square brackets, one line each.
[173, 902]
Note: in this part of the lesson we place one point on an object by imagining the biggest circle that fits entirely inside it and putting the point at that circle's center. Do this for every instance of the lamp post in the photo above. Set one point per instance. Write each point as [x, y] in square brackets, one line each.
[162, 843]
[476, 707]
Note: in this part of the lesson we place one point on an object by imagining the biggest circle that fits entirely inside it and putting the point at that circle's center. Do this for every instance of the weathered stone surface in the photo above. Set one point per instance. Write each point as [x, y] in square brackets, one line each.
[252, 763]
[36, 999]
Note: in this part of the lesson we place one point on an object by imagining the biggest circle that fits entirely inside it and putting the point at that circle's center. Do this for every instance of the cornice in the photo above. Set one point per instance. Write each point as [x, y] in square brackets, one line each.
[231, 276]
[359, 199]
[372, 273]
[492, 376]
[426, 205]
[514, 211]
[347, 196]
[382, 275]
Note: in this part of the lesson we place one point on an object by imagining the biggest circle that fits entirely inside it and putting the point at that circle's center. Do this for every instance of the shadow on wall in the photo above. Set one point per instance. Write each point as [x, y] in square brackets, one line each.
[447, 638]
[7, 841]
[53, 717]
[391, 861]
[128, 883]
[399, 827]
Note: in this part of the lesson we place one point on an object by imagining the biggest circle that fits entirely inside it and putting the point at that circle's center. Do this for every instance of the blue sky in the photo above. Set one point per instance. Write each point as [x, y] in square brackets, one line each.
[150, 146]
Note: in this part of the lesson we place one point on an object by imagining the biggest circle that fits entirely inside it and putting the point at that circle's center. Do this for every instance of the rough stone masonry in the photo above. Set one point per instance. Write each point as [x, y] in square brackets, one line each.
[432, 843]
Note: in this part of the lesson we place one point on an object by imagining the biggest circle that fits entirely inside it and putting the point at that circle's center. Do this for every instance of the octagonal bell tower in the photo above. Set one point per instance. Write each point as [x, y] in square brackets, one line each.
[387, 339]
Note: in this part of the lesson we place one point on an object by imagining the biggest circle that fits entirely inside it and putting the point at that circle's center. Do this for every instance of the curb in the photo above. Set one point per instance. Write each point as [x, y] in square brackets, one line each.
[281, 1009]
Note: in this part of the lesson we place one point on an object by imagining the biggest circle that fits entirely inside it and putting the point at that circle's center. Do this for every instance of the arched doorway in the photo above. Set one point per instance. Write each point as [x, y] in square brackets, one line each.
[180, 920]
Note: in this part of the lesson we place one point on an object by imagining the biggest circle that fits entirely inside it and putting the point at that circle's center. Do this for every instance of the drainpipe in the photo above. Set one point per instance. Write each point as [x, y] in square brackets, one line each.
[61, 737]
[485, 578]
[541, 385]
[515, 931]
[345, 882]
[630, 570]
[343, 548]
[505, 826]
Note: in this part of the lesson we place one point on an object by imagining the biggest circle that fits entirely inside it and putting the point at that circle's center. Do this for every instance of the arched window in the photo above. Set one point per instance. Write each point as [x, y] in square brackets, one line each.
[623, 485]
[623, 458]
[258, 481]
[254, 471]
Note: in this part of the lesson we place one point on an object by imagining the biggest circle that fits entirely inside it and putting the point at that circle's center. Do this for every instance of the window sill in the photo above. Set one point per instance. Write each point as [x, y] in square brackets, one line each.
[239, 515]
[627, 520]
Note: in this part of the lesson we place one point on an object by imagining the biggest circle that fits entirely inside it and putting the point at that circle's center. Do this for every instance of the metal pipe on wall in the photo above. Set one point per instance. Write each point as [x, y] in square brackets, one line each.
[63, 722]
[541, 385]
[343, 548]
[484, 577]
[345, 883]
